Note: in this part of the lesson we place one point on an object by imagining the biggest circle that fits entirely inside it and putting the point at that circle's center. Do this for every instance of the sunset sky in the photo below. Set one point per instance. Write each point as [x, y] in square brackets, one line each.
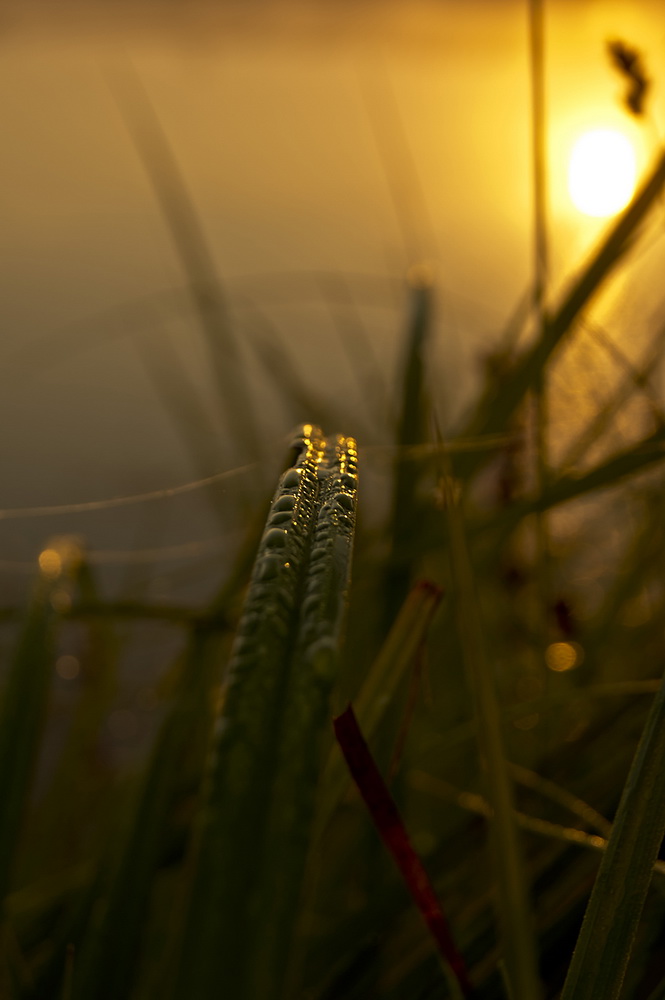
[325, 148]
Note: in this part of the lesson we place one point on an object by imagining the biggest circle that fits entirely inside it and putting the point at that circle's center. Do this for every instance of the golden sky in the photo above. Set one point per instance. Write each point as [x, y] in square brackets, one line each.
[314, 137]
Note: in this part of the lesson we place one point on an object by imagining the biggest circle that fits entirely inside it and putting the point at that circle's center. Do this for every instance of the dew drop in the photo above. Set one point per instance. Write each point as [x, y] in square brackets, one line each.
[275, 538]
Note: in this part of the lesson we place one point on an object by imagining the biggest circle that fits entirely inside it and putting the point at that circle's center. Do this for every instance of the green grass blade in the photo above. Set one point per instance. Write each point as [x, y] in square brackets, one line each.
[411, 431]
[25, 697]
[498, 406]
[610, 924]
[245, 766]
[305, 718]
[378, 689]
[106, 968]
[514, 913]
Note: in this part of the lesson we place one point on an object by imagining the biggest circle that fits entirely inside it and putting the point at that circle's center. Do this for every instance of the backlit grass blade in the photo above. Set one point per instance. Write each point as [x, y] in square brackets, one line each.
[193, 250]
[634, 381]
[630, 462]
[281, 665]
[503, 398]
[610, 924]
[513, 911]
[378, 689]
[25, 697]
[305, 717]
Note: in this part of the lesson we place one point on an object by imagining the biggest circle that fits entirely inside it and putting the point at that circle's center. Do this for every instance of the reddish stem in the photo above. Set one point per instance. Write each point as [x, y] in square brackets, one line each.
[390, 826]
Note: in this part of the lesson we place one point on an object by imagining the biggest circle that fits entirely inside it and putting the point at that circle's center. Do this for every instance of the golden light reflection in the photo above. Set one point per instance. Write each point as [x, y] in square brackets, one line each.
[602, 172]
[562, 656]
[50, 563]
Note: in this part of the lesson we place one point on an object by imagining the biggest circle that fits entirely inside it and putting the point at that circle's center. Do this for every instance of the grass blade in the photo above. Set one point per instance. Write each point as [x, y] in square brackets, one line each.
[295, 602]
[514, 914]
[502, 399]
[392, 831]
[192, 248]
[24, 701]
[410, 432]
[610, 924]
[59, 835]
[376, 693]
[106, 967]
[305, 718]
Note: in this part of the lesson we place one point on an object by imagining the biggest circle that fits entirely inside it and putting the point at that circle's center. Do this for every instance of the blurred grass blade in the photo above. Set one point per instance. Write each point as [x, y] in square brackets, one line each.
[610, 923]
[410, 431]
[555, 793]
[630, 462]
[191, 246]
[25, 697]
[182, 401]
[58, 834]
[105, 969]
[513, 912]
[392, 831]
[503, 398]
[259, 777]
[273, 354]
[357, 344]
[543, 828]
[378, 689]
[635, 380]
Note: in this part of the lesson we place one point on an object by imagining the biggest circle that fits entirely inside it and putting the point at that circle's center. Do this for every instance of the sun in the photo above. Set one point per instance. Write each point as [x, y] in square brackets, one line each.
[602, 172]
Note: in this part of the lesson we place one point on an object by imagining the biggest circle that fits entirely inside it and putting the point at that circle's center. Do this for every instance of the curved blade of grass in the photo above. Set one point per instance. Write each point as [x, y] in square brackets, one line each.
[25, 697]
[555, 793]
[514, 913]
[502, 399]
[288, 610]
[192, 248]
[534, 824]
[610, 923]
[377, 691]
[305, 718]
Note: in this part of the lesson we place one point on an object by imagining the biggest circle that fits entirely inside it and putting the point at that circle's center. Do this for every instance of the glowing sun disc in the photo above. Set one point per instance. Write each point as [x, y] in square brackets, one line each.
[602, 172]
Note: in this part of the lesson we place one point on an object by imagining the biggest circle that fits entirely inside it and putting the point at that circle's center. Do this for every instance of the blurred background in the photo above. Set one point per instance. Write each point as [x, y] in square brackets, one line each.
[218, 220]
[266, 174]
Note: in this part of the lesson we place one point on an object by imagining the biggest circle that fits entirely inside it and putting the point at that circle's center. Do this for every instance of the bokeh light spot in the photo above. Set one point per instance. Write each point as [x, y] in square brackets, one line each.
[50, 563]
[562, 656]
[67, 667]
